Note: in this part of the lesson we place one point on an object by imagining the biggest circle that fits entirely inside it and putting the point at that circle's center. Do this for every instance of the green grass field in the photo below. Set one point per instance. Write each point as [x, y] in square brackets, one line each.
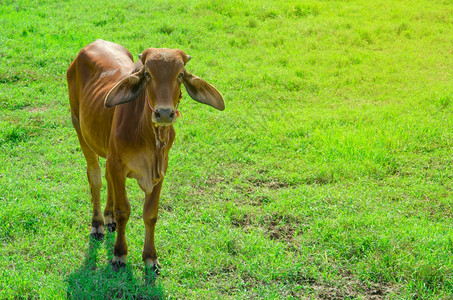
[328, 176]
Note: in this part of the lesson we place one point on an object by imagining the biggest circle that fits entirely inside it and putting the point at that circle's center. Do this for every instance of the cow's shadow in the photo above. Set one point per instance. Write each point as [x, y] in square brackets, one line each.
[93, 281]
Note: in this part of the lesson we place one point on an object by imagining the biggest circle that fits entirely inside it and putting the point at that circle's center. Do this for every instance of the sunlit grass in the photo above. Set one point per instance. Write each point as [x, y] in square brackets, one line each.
[329, 174]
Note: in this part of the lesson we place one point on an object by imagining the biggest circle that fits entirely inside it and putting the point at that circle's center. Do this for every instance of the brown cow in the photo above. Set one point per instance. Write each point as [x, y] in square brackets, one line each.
[124, 112]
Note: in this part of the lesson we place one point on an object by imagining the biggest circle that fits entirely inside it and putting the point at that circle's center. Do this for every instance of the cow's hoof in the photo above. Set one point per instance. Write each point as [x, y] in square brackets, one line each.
[97, 233]
[97, 236]
[118, 265]
[153, 270]
[111, 227]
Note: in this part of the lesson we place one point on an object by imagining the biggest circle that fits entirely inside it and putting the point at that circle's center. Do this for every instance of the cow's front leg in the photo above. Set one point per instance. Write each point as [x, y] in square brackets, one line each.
[121, 209]
[150, 211]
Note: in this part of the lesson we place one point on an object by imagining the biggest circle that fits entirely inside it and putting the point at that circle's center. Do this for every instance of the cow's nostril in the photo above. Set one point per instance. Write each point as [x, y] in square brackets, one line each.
[172, 116]
[157, 115]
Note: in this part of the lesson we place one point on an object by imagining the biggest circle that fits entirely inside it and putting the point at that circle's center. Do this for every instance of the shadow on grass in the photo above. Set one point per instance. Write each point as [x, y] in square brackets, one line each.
[92, 282]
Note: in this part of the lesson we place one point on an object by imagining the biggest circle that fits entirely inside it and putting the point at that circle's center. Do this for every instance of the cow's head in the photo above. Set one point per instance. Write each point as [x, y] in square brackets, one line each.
[160, 73]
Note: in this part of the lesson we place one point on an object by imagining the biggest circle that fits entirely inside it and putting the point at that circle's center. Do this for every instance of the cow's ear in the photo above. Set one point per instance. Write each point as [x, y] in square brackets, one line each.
[126, 90]
[203, 92]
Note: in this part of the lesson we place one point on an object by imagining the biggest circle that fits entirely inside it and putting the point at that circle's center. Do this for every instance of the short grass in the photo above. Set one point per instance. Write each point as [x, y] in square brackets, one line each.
[329, 175]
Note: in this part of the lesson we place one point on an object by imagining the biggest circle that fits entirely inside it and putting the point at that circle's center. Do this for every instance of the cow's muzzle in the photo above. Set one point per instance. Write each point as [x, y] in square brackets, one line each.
[164, 116]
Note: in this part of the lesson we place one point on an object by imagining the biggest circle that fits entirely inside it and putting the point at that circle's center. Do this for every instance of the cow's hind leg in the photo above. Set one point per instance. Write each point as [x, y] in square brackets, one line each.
[94, 178]
[116, 180]
[108, 211]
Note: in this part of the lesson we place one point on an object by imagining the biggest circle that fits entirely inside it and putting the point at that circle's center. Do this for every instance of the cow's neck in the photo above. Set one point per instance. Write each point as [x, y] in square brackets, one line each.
[157, 137]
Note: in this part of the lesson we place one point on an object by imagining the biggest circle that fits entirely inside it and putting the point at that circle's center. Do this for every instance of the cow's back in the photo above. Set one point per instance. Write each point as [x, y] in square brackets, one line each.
[96, 69]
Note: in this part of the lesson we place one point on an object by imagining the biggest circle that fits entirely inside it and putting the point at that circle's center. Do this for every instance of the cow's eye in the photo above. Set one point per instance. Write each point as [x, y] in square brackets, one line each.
[147, 74]
[181, 75]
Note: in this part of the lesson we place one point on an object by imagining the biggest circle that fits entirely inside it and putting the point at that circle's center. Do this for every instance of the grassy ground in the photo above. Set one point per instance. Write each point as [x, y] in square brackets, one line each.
[329, 175]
